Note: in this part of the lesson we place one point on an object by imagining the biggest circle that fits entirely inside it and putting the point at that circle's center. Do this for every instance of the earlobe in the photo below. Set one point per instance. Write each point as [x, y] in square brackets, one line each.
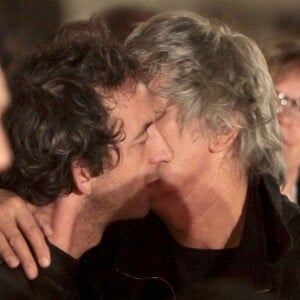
[82, 178]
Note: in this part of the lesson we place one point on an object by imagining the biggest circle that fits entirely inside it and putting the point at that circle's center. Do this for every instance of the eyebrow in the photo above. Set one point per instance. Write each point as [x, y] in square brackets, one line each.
[143, 130]
[159, 115]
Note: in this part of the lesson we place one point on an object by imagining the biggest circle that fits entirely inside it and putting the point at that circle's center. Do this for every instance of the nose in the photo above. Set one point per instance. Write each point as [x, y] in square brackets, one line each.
[161, 150]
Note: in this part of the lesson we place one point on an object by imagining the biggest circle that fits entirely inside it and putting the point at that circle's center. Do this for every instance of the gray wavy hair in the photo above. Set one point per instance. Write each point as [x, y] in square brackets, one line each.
[210, 72]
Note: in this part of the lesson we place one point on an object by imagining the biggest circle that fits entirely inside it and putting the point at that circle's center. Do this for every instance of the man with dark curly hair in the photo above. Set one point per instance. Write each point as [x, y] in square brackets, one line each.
[86, 146]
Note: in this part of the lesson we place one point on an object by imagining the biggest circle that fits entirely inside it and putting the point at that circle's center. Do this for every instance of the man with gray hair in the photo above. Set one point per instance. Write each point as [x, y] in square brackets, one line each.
[217, 208]
[218, 212]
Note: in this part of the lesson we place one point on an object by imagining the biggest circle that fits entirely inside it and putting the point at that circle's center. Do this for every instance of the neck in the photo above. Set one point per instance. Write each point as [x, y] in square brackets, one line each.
[291, 181]
[210, 215]
[74, 230]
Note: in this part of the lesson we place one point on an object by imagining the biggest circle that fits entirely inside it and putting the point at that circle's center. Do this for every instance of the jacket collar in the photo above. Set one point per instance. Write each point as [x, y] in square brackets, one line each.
[277, 236]
[146, 252]
[298, 191]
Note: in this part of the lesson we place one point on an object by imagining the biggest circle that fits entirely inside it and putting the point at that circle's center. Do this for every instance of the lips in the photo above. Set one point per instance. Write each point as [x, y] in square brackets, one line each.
[152, 178]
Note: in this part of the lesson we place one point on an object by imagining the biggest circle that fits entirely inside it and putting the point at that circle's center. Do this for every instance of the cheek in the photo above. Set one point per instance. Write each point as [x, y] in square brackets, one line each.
[294, 134]
[292, 154]
[298, 135]
[170, 132]
[130, 168]
[176, 170]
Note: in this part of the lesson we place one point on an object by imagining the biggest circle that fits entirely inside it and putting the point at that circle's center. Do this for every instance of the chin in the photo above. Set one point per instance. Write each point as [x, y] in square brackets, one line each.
[138, 207]
[164, 186]
[134, 214]
[141, 213]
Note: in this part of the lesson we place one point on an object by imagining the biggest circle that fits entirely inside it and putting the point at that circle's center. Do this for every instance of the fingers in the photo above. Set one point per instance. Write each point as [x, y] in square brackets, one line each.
[14, 250]
[43, 219]
[21, 249]
[36, 239]
[45, 227]
[8, 227]
[16, 223]
[7, 253]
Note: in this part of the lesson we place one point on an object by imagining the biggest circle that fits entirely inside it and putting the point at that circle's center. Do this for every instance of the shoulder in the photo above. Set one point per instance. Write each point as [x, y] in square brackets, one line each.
[291, 261]
[98, 265]
[13, 284]
[288, 211]
[291, 216]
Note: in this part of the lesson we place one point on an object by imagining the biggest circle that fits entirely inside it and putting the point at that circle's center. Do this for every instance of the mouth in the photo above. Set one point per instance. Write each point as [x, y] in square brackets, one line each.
[151, 179]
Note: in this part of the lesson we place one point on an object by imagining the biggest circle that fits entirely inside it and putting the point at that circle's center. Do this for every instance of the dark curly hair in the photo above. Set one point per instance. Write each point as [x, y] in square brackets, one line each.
[58, 117]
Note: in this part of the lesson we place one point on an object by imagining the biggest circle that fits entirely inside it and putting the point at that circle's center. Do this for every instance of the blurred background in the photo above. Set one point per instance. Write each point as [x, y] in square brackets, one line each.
[26, 22]
[257, 18]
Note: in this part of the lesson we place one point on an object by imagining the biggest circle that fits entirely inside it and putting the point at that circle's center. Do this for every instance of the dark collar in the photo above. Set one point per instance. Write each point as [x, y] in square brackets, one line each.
[146, 252]
[298, 192]
[146, 249]
[62, 271]
[277, 236]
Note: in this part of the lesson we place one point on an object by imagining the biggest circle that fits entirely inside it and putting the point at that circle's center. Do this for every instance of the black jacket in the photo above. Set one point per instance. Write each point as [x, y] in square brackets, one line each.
[298, 192]
[56, 282]
[133, 260]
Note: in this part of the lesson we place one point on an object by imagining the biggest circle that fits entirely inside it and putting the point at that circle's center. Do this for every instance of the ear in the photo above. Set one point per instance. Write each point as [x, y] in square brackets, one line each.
[219, 142]
[82, 178]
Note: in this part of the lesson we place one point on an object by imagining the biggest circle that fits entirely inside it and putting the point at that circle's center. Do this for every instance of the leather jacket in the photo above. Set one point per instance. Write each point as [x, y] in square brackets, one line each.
[298, 192]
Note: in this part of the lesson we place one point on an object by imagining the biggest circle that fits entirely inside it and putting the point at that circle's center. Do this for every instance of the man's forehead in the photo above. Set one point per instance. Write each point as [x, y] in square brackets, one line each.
[128, 87]
[124, 93]
[132, 90]
[136, 110]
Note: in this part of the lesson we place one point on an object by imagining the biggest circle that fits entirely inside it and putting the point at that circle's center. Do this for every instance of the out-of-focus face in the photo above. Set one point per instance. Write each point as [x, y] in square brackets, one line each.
[289, 120]
[192, 164]
[5, 152]
[124, 189]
